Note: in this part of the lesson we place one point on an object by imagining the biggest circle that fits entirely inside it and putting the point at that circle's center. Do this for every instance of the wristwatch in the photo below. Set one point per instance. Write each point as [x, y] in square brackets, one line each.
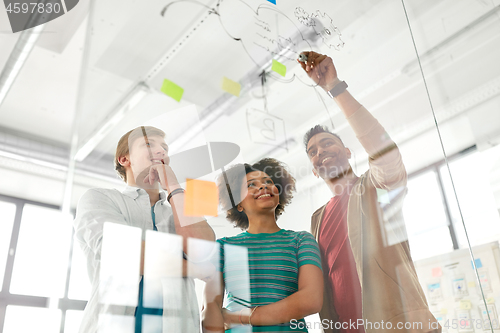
[338, 89]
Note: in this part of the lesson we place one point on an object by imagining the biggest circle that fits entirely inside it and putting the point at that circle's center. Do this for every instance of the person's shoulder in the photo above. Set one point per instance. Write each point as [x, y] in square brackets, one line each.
[94, 195]
[297, 234]
[232, 239]
[304, 237]
[318, 211]
[102, 191]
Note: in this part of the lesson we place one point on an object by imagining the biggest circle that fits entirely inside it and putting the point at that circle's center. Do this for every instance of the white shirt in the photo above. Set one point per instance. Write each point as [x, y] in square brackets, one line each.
[131, 207]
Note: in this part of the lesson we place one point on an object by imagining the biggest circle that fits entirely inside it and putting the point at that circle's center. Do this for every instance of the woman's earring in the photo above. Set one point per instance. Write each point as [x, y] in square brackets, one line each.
[240, 209]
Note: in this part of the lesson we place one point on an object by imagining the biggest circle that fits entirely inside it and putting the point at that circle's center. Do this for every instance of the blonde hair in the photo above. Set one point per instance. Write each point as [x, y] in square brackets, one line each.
[123, 147]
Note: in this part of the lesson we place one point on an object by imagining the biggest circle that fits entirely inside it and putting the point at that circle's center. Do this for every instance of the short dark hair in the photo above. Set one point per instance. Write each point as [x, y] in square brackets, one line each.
[230, 181]
[316, 130]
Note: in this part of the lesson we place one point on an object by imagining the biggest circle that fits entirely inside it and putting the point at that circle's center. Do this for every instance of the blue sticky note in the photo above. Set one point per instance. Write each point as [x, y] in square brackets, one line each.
[478, 262]
[272, 1]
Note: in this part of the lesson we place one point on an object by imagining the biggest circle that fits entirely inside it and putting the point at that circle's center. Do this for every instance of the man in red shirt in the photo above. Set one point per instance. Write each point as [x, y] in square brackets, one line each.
[370, 281]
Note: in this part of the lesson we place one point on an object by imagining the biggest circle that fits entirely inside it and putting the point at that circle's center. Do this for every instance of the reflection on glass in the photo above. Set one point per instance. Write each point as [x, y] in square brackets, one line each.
[151, 324]
[22, 319]
[115, 323]
[237, 278]
[6, 222]
[41, 261]
[79, 284]
[425, 217]
[120, 264]
[72, 321]
[162, 261]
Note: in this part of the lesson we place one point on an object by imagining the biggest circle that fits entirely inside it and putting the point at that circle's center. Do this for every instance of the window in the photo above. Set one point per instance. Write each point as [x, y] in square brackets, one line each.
[42, 253]
[6, 223]
[472, 178]
[425, 217]
[22, 319]
[35, 271]
[431, 211]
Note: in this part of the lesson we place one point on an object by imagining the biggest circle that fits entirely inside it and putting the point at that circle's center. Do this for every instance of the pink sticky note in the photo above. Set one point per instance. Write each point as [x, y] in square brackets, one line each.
[436, 272]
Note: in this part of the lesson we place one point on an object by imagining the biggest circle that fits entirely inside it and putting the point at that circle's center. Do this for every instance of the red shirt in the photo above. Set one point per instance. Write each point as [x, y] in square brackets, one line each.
[336, 251]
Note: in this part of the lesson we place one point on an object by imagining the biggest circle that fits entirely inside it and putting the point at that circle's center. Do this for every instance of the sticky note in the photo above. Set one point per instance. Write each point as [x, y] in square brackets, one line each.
[272, 1]
[171, 89]
[490, 300]
[231, 87]
[436, 272]
[279, 68]
[471, 284]
[478, 262]
[465, 305]
[383, 196]
[201, 198]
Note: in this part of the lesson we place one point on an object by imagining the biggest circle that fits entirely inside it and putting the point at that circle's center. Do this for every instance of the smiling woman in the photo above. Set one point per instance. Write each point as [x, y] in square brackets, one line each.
[232, 191]
[272, 275]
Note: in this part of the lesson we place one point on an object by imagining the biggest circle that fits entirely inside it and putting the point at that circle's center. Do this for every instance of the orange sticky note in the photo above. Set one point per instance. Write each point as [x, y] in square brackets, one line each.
[201, 198]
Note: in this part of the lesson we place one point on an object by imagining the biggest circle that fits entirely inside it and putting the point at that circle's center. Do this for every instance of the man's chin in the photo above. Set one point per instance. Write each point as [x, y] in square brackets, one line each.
[139, 181]
[335, 174]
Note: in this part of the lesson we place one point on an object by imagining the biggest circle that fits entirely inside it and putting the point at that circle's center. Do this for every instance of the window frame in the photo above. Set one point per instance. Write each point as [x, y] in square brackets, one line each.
[6, 298]
[434, 168]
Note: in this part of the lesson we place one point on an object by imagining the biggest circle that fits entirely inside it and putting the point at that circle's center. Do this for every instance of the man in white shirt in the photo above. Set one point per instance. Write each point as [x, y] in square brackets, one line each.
[142, 161]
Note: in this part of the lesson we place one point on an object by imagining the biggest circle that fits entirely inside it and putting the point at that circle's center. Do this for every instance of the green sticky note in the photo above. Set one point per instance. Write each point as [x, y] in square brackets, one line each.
[171, 89]
[383, 196]
[279, 68]
[231, 87]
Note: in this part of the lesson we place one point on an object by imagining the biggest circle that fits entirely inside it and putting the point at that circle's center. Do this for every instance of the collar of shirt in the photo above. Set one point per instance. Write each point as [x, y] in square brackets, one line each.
[135, 192]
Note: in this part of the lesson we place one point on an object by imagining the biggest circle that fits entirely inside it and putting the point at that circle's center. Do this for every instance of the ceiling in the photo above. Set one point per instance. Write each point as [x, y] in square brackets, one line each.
[84, 68]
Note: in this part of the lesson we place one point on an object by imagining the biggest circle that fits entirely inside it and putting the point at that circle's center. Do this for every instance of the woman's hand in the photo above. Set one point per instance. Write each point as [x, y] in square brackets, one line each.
[235, 318]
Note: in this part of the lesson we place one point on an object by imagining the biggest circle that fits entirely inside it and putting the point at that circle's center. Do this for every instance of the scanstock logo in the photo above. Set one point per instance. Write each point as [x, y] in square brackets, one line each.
[26, 14]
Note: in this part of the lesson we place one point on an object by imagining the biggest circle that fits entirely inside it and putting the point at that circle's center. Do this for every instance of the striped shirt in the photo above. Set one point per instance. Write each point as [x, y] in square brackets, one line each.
[261, 269]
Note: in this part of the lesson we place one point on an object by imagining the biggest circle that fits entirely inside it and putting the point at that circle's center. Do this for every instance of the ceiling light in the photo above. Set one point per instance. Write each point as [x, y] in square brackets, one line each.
[123, 107]
[17, 59]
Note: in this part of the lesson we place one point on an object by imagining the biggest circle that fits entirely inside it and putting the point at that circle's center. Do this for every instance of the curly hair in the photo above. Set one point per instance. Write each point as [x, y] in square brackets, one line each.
[230, 181]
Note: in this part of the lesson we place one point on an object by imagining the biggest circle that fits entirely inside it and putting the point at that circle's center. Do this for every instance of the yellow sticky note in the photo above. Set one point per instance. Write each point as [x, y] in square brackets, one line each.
[279, 68]
[490, 300]
[383, 196]
[471, 284]
[171, 89]
[231, 86]
[465, 305]
[444, 311]
[201, 198]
